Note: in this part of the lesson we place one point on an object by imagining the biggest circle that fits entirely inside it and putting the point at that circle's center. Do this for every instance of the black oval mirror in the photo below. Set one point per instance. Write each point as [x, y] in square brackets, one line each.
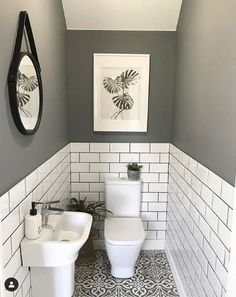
[24, 81]
[26, 95]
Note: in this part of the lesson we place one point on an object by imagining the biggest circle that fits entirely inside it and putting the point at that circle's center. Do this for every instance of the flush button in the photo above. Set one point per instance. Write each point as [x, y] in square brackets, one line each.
[11, 284]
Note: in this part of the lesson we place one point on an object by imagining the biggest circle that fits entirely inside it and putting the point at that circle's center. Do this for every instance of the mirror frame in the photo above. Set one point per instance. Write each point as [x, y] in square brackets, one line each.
[24, 27]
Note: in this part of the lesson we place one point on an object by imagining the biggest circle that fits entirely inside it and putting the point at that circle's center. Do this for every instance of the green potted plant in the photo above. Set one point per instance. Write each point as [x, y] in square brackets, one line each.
[97, 210]
[133, 170]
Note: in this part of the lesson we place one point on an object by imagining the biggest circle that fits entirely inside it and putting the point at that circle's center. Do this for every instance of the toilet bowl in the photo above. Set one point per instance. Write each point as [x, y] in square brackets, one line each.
[123, 241]
[123, 231]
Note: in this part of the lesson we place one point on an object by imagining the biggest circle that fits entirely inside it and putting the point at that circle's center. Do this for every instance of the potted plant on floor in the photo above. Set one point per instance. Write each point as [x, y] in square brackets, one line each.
[97, 210]
[133, 171]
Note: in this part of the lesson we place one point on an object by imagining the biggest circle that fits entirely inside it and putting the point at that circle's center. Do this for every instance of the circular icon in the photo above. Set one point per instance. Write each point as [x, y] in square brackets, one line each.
[11, 284]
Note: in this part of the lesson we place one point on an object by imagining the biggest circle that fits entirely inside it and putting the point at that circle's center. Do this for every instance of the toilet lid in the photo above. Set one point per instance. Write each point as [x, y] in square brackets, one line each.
[124, 231]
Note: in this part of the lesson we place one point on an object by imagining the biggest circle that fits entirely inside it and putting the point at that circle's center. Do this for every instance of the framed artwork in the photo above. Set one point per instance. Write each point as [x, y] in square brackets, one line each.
[121, 85]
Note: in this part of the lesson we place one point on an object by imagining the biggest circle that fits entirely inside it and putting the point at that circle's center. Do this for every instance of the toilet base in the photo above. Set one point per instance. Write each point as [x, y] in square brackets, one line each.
[123, 259]
[122, 272]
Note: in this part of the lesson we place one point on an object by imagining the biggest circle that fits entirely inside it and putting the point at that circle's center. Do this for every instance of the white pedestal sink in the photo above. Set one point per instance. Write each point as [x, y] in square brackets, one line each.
[52, 256]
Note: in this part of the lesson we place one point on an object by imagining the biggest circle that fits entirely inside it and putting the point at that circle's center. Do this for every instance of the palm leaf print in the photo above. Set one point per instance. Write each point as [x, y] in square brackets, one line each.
[25, 85]
[28, 84]
[112, 85]
[123, 102]
[129, 77]
[120, 86]
[22, 99]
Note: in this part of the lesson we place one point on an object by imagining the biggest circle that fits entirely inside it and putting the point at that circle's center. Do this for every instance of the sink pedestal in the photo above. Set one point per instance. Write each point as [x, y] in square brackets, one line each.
[53, 281]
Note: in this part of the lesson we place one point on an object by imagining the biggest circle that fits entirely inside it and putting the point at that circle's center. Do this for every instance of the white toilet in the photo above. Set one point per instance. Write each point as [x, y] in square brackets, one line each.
[124, 233]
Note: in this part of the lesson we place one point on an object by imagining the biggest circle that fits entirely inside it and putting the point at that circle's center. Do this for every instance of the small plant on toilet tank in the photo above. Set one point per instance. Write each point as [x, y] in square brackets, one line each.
[134, 171]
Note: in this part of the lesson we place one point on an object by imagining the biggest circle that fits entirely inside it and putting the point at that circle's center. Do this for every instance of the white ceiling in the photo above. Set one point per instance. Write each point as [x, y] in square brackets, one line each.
[147, 15]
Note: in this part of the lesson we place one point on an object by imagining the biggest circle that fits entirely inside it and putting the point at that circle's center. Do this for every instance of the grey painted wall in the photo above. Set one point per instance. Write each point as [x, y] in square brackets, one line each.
[204, 121]
[19, 154]
[80, 48]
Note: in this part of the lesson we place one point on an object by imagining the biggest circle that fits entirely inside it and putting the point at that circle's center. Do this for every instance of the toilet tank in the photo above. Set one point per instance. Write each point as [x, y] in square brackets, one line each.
[122, 197]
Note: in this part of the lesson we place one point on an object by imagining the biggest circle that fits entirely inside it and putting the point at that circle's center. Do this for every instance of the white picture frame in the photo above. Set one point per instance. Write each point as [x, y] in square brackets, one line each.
[121, 91]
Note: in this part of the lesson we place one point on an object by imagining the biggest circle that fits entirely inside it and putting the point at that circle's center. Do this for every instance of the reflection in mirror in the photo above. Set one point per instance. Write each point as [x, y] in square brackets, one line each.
[28, 96]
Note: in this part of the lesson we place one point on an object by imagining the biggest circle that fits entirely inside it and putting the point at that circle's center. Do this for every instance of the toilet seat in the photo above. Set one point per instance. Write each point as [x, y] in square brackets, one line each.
[124, 231]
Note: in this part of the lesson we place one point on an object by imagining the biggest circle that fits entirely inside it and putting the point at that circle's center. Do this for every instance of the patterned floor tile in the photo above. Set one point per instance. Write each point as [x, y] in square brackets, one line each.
[152, 278]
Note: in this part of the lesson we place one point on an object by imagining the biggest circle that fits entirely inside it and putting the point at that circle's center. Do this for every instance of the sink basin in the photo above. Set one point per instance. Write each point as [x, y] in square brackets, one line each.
[59, 243]
[52, 256]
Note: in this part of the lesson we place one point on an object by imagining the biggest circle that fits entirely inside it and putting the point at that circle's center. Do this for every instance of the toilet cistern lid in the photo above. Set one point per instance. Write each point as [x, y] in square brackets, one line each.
[121, 181]
[124, 231]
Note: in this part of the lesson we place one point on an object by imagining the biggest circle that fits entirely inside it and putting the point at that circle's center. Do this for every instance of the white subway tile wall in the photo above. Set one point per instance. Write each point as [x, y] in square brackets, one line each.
[198, 225]
[91, 163]
[51, 181]
[195, 224]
